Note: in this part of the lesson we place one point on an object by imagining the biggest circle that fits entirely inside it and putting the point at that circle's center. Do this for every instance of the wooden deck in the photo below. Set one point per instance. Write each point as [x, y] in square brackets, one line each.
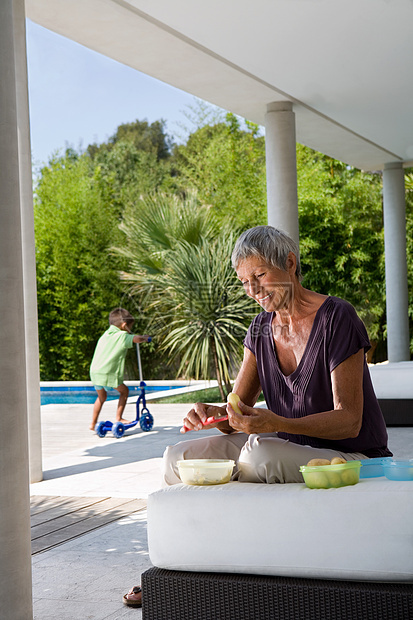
[56, 520]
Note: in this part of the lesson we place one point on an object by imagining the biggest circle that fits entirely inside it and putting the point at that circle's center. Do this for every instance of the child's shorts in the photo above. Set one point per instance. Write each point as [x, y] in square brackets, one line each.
[102, 387]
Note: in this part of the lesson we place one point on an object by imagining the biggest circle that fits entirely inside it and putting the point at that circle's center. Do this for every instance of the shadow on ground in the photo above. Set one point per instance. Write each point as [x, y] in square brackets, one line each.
[134, 446]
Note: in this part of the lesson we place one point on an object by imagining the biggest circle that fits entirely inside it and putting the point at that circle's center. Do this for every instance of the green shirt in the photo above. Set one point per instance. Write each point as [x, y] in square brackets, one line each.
[108, 363]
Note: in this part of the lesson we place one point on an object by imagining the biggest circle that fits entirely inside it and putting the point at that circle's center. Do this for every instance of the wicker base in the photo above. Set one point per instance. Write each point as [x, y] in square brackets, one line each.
[397, 412]
[176, 595]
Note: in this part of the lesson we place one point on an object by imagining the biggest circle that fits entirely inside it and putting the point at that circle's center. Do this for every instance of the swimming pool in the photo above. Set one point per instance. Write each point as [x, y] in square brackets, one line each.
[86, 394]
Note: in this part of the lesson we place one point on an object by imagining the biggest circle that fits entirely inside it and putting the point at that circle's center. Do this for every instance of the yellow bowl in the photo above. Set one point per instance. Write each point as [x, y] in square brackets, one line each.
[331, 476]
[205, 471]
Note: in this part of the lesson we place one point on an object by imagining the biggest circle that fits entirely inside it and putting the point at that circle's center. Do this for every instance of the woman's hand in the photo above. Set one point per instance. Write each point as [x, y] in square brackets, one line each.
[200, 412]
[253, 420]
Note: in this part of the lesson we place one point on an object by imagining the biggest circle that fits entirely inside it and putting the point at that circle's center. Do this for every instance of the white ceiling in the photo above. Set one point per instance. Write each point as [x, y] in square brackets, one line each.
[346, 65]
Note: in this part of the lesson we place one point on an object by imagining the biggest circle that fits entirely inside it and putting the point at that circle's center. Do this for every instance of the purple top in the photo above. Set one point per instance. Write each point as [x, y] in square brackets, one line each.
[337, 333]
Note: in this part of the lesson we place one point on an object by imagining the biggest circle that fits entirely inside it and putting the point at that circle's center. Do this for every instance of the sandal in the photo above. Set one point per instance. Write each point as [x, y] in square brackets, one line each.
[132, 602]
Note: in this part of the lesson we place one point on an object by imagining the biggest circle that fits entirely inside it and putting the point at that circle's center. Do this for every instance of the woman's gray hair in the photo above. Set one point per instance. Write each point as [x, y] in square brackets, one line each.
[270, 244]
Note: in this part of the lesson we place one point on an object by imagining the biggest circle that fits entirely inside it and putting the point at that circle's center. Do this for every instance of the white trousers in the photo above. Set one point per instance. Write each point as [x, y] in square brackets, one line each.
[259, 458]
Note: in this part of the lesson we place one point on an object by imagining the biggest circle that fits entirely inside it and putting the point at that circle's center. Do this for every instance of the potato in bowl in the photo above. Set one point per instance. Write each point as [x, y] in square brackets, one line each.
[330, 474]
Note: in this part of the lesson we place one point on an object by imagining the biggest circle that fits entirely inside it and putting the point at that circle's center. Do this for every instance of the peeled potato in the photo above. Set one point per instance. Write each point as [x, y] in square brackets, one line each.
[334, 479]
[318, 462]
[318, 480]
[338, 461]
[233, 400]
[350, 476]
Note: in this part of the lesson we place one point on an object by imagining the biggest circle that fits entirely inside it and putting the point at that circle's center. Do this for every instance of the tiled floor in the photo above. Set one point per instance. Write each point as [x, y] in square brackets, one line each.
[84, 579]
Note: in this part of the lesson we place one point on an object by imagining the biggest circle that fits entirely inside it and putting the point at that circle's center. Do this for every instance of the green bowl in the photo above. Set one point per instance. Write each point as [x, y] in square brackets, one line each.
[331, 476]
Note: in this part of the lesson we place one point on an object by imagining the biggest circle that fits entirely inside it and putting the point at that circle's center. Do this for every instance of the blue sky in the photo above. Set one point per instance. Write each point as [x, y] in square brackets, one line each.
[77, 96]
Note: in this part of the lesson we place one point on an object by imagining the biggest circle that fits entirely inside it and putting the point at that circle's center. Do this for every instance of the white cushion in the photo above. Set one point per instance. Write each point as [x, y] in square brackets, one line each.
[360, 532]
[392, 380]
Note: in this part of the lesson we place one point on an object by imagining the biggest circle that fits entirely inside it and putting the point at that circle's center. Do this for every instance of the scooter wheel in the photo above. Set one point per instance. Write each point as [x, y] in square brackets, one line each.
[146, 421]
[100, 429]
[118, 429]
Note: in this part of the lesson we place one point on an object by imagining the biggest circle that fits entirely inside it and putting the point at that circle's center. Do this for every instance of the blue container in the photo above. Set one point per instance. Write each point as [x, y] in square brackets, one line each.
[398, 470]
[373, 468]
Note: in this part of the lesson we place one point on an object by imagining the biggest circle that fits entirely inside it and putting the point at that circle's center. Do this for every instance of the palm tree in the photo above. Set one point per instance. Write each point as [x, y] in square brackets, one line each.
[179, 268]
[203, 311]
[408, 181]
[154, 225]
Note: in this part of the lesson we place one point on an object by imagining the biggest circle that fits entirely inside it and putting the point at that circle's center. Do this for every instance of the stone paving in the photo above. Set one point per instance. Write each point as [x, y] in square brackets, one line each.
[84, 579]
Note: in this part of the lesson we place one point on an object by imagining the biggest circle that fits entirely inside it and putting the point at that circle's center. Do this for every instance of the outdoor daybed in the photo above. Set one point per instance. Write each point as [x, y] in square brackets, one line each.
[243, 551]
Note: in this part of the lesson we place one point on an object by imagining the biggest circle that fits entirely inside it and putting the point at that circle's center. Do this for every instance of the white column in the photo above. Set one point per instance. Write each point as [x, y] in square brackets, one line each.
[394, 213]
[281, 161]
[28, 246]
[15, 558]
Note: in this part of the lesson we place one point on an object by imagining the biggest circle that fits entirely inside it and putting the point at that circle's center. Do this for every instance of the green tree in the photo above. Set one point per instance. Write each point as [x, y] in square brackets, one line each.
[77, 277]
[409, 182]
[126, 173]
[150, 138]
[226, 166]
[133, 162]
[341, 235]
[80, 200]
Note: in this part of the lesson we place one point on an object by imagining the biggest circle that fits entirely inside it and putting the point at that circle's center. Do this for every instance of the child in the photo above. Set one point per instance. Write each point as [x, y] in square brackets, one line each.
[108, 363]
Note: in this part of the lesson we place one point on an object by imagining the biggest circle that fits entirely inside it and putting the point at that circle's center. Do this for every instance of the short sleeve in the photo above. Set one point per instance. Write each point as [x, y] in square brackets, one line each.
[346, 334]
[128, 341]
[248, 341]
[254, 330]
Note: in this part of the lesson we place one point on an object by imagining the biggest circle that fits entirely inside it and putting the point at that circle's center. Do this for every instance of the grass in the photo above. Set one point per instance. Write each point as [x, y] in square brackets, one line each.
[208, 395]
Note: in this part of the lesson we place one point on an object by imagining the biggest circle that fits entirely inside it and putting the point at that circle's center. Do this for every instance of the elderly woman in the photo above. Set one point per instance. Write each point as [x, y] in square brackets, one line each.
[306, 352]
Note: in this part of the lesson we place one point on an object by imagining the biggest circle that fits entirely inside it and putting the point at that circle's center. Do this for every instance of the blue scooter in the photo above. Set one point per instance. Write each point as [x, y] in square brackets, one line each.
[143, 416]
